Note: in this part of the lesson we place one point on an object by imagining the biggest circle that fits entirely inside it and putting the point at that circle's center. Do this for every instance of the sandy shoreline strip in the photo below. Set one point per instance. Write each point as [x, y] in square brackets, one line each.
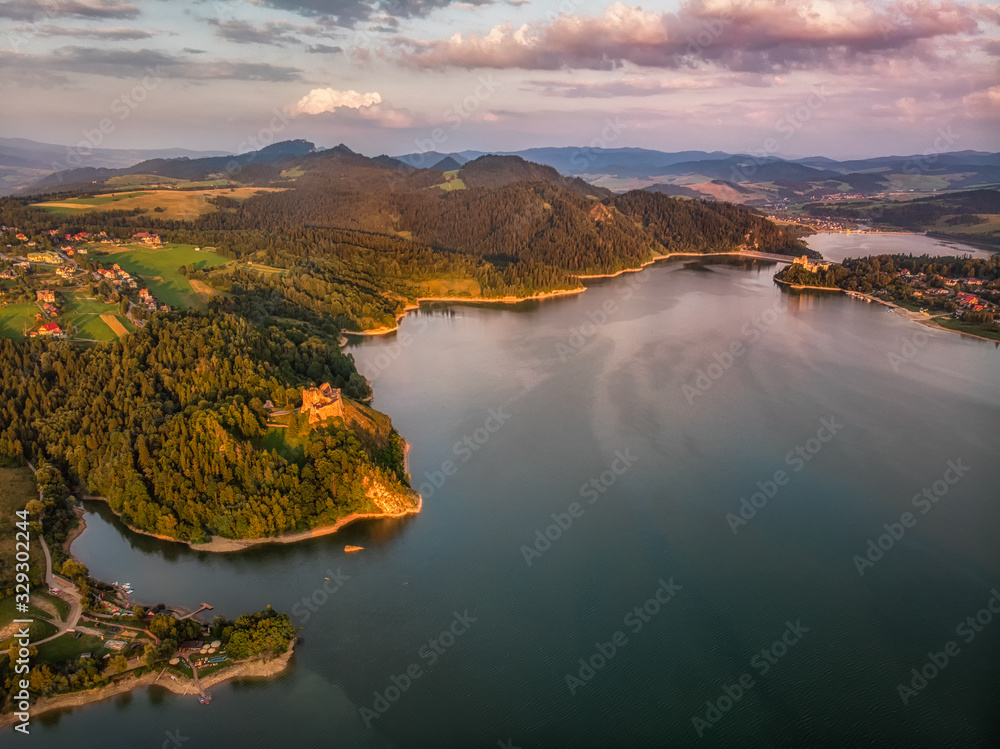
[467, 300]
[553, 294]
[221, 544]
[901, 311]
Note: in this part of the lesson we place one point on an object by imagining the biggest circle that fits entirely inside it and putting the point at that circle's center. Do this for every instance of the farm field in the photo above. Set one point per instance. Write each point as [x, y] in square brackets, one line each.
[86, 315]
[158, 267]
[14, 318]
[176, 204]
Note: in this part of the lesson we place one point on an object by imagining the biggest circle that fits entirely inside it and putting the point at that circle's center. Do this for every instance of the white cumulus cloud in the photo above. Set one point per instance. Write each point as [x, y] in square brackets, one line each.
[321, 100]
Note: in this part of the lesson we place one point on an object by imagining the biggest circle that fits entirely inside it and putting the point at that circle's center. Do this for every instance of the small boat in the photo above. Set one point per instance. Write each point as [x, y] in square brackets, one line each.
[351, 549]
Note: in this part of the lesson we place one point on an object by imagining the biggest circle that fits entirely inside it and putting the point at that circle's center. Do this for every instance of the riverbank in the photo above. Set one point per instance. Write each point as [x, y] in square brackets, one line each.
[917, 317]
[558, 292]
[77, 530]
[250, 668]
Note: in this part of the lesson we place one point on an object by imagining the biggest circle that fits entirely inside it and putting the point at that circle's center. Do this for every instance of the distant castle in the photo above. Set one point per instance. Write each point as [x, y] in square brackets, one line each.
[322, 403]
[809, 266]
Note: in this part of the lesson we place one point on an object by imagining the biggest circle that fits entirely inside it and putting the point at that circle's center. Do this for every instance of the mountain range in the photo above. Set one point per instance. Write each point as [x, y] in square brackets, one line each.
[763, 181]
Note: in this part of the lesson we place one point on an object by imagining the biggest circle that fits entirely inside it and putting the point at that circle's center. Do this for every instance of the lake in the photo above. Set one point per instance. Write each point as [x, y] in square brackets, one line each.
[667, 511]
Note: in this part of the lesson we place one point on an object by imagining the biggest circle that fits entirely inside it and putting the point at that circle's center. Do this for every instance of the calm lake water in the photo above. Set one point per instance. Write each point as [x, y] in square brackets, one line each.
[637, 416]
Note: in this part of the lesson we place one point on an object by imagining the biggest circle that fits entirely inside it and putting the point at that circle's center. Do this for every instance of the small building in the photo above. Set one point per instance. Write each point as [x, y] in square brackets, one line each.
[45, 295]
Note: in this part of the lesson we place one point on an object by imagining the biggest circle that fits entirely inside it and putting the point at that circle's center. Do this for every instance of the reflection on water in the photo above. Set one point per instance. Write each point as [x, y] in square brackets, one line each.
[822, 356]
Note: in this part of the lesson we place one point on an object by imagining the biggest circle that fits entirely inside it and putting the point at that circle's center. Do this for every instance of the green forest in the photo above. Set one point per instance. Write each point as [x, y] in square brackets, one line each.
[168, 425]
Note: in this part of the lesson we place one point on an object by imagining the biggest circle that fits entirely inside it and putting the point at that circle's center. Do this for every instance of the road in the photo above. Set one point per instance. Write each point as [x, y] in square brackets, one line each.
[68, 591]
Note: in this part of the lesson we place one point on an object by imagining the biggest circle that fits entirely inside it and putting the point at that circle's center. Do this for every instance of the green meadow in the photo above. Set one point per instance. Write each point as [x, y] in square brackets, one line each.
[158, 269]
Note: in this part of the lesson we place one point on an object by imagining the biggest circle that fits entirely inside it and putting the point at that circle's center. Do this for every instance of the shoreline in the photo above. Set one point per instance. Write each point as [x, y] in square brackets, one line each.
[558, 292]
[463, 299]
[901, 311]
[252, 668]
[222, 544]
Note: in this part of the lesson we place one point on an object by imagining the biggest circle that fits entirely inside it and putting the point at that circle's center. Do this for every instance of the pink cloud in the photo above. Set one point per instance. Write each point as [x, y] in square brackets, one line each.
[742, 35]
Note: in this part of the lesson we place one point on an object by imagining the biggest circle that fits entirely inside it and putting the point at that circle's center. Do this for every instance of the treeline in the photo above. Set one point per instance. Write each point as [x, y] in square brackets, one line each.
[266, 631]
[881, 273]
[168, 424]
[700, 226]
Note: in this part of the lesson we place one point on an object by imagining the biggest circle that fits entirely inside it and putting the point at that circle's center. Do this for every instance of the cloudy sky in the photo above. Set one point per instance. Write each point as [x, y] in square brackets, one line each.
[839, 78]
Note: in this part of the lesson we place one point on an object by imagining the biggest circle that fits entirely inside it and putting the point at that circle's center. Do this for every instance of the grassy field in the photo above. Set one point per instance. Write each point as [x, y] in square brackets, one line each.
[68, 648]
[986, 331]
[40, 629]
[158, 269]
[452, 182]
[285, 442]
[60, 605]
[449, 287]
[17, 487]
[14, 317]
[85, 313]
[992, 224]
[183, 205]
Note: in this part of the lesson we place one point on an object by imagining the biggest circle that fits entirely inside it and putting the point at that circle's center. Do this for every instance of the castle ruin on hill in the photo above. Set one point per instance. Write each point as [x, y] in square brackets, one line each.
[322, 403]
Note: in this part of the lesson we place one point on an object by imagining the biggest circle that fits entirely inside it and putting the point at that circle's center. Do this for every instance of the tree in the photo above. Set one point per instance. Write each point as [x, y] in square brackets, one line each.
[163, 626]
[74, 570]
[118, 664]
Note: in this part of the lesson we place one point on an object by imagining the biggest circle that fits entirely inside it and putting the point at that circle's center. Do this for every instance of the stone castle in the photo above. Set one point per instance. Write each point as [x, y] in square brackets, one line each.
[322, 403]
[805, 262]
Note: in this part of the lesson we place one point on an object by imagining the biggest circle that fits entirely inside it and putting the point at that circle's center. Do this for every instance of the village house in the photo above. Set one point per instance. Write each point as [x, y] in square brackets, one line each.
[49, 329]
[46, 256]
[147, 238]
[45, 295]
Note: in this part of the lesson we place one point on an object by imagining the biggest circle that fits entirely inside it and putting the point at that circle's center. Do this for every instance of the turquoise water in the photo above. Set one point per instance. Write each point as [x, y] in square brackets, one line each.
[608, 439]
